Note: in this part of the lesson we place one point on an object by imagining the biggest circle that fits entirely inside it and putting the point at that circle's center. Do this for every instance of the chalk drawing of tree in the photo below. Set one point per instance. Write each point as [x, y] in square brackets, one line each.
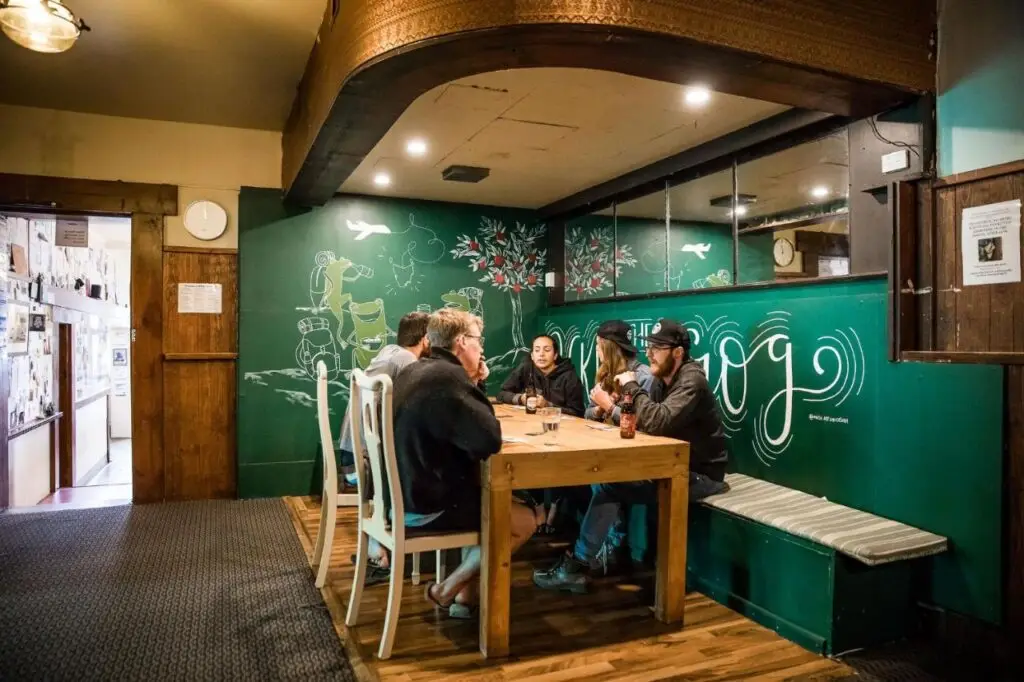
[591, 260]
[509, 259]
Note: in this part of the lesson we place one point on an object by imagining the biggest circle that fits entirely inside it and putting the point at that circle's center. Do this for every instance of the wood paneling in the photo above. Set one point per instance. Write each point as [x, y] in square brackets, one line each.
[200, 332]
[89, 196]
[855, 58]
[953, 320]
[609, 634]
[147, 360]
[199, 430]
[200, 352]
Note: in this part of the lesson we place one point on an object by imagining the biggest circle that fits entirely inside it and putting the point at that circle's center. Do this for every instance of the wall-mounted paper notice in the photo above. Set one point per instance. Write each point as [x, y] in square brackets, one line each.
[199, 298]
[990, 239]
[72, 232]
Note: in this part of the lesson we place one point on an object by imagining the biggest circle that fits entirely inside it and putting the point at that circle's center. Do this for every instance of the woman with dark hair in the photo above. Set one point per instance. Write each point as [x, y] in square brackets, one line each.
[615, 354]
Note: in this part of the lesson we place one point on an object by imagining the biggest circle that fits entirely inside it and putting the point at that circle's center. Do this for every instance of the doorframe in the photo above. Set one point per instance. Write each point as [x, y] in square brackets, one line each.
[148, 205]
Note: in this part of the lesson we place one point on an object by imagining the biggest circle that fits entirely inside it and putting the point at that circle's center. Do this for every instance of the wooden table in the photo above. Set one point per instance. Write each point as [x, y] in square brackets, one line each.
[583, 455]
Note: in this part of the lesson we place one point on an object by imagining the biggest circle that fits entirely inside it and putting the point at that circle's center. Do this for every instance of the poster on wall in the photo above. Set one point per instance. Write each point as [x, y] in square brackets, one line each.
[199, 298]
[72, 232]
[990, 239]
[17, 330]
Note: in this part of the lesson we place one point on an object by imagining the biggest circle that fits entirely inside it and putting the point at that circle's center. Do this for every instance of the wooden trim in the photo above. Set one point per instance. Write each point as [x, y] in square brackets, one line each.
[92, 398]
[735, 287]
[53, 194]
[381, 56]
[980, 174]
[903, 304]
[189, 357]
[32, 425]
[201, 249]
[66, 405]
[963, 357]
[147, 374]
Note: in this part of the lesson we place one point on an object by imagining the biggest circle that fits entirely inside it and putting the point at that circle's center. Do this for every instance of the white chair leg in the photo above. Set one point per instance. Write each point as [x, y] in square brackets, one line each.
[328, 511]
[387, 638]
[358, 580]
[314, 560]
[440, 565]
[416, 568]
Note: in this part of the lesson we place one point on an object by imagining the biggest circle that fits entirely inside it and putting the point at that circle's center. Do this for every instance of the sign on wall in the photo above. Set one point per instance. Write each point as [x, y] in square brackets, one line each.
[990, 243]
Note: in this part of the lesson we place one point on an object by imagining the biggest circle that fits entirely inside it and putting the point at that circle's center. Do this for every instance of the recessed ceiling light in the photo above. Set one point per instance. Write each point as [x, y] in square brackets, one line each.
[416, 147]
[819, 192]
[698, 95]
[382, 179]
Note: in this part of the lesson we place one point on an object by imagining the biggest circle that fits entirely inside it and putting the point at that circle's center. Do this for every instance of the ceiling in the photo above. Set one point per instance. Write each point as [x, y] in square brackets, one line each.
[544, 133]
[220, 62]
[780, 182]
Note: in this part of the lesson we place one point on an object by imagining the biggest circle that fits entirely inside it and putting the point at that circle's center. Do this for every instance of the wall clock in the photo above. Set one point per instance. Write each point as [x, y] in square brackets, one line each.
[784, 252]
[205, 219]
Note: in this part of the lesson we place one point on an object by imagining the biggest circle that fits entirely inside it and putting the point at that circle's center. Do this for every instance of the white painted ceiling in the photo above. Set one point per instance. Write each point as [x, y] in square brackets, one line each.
[545, 134]
[221, 62]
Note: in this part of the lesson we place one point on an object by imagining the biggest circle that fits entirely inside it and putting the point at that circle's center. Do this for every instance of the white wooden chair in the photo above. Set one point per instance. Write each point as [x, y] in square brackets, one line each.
[329, 495]
[372, 432]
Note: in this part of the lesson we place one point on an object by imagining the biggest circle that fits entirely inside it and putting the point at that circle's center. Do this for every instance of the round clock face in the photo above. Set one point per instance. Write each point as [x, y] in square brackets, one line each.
[784, 252]
[205, 220]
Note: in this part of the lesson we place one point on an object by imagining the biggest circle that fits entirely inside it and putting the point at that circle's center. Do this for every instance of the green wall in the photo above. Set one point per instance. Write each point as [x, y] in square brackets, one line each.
[332, 283]
[700, 257]
[811, 402]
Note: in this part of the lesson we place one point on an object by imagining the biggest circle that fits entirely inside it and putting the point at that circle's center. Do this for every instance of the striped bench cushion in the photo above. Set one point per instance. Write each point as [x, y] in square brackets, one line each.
[863, 536]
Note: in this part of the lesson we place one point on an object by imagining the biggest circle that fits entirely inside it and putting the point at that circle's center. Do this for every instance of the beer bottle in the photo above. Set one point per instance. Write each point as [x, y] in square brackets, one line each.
[627, 419]
[531, 400]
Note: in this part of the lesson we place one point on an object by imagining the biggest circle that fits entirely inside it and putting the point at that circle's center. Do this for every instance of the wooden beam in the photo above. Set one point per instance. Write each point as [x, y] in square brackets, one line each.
[45, 193]
[375, 58]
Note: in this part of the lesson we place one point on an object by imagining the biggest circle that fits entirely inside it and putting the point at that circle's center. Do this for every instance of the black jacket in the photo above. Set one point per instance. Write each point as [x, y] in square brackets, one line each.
[686, 410]
[562, 388]
[444, 425]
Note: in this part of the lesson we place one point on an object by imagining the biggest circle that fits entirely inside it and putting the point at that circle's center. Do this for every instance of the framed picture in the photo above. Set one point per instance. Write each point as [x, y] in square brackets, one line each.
[37, 322]
[17, 329]
[120, 357]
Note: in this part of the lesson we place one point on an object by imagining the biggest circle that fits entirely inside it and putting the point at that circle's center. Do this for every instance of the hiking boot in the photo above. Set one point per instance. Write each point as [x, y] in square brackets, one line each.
[569, 574]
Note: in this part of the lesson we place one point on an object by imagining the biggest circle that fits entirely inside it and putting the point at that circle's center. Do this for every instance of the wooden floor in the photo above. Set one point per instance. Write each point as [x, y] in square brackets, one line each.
[610, 634]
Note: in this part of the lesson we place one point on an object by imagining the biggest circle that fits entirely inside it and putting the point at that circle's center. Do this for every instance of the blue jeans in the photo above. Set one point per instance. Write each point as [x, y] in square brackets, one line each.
[606, 508]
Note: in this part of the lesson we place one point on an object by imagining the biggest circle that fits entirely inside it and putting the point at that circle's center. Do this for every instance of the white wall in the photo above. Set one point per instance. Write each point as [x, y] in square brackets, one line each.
[29, 466]
[91, 443]
[209, 162]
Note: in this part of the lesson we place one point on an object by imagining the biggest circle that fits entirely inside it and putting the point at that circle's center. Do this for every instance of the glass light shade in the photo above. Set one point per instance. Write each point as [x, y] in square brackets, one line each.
[39, 25]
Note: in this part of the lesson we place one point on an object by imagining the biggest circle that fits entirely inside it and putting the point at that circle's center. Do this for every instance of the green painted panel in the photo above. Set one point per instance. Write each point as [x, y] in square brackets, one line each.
[779, 580]
[812, 403]
[332, 283]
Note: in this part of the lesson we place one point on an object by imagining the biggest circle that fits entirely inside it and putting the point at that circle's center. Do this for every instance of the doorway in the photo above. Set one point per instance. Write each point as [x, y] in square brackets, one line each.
[68, 287]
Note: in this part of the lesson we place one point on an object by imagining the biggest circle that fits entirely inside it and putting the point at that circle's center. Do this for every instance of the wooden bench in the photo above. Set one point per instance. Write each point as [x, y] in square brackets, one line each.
[828, 577]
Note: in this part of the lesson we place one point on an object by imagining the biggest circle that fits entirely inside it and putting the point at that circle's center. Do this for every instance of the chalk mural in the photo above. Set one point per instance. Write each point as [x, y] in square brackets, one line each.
[592, 260]
[508, 259]
[727, 352]
[423, 247]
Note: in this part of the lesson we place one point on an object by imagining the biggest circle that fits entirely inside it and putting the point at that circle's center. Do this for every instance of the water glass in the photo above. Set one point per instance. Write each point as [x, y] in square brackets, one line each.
[550, 418]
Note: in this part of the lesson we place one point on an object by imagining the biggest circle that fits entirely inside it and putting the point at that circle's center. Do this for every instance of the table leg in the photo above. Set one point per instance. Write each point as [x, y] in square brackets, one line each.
[495, 571]
[670, 592]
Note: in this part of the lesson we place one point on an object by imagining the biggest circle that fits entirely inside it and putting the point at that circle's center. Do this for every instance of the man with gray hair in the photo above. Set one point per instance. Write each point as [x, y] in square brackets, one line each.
[444, 427]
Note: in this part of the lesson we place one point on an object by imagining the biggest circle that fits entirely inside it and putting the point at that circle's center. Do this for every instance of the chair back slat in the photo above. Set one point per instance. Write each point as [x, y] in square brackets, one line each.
[323, 416]
[372, 428]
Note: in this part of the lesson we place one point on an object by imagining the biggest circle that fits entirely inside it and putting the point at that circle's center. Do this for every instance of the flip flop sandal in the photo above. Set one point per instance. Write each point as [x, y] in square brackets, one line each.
[463, 611]
[430, 597]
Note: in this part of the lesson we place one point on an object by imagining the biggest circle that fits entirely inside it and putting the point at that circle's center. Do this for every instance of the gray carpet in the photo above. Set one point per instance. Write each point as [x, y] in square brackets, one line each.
[183, 591]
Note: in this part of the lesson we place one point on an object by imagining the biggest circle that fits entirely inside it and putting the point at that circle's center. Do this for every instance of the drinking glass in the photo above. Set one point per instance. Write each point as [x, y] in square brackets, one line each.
[550, 418]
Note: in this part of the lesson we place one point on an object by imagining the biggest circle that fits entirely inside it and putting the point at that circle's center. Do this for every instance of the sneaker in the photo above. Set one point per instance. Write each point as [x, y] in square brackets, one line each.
[375, 573]
[614, 561]
[569, 574]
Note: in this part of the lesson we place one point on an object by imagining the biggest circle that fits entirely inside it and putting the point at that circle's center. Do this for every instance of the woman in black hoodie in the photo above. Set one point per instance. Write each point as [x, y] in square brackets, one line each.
[555, 380]
[553, 377]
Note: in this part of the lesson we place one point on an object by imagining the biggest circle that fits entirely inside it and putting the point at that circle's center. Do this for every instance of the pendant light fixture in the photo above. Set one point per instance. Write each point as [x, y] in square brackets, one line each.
[40, 25]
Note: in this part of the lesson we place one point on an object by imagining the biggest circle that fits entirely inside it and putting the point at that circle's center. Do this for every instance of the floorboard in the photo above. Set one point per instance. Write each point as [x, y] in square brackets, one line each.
[609, 634]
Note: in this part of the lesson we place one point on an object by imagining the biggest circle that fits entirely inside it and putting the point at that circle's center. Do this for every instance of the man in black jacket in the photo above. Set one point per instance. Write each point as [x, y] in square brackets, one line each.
[552, 376]
[680, 405]
[444, 427]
